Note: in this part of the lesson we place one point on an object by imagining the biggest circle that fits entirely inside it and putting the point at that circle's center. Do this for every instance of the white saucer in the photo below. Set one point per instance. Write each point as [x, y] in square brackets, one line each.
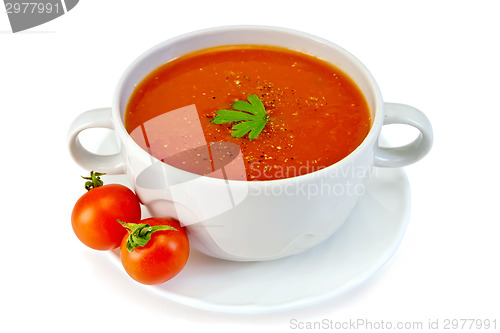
[353, 254]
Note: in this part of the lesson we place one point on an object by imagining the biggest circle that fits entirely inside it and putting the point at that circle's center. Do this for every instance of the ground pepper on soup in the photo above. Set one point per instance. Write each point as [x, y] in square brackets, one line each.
[316, 114]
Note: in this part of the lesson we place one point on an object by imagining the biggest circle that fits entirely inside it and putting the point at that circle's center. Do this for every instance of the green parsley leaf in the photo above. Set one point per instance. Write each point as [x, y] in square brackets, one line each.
[251, 117]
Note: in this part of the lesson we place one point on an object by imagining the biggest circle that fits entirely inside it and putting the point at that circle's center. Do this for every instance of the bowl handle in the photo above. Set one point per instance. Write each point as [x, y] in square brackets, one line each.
[415, 150]
[96, 118]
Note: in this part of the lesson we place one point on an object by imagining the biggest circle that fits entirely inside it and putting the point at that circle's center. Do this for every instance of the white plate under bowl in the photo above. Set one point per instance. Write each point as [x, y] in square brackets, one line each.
[363, 245]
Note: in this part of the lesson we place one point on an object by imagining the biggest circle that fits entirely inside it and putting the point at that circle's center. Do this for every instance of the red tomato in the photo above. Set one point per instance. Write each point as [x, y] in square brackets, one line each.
[162, 258]
[94, 217]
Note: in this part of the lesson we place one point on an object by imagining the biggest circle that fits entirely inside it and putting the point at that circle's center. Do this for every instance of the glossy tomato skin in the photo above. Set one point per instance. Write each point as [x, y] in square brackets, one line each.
[94, 216]
[162, 258]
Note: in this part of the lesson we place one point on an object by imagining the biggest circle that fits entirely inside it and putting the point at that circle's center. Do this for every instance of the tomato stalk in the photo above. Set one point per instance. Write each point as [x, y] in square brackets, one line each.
[94, 180]
[139, 234]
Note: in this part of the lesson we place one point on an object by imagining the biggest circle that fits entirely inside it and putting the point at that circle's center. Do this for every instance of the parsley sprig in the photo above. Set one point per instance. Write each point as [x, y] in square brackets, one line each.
[251, 117]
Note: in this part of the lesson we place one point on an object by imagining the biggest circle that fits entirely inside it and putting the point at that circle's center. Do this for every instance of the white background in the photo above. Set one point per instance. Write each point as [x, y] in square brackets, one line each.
[440, 56]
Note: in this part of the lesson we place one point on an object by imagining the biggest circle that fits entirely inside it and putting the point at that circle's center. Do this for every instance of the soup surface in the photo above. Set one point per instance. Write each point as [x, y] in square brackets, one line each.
[316, 114]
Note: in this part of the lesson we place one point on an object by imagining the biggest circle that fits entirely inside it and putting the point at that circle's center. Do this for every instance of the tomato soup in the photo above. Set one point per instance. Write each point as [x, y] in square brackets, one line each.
[316, 113]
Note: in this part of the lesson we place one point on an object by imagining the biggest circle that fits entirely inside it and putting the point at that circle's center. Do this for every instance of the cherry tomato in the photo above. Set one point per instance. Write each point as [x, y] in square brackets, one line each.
[94, 217]
[162, 257]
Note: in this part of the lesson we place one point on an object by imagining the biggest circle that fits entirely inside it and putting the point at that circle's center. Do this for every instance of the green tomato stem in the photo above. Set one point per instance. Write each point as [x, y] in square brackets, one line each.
[94, 180]
[139, 234]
